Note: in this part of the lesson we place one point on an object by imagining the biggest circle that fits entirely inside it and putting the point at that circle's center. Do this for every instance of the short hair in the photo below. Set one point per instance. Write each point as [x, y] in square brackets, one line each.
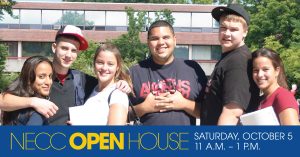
[160, 23]
[60, 38]
[235, 18]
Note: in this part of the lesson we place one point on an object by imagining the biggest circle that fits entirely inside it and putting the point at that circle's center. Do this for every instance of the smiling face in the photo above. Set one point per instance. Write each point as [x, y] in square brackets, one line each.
[43, 79]
[106, 67]
[231, 34]
[265, 74]
[65, 53]
[161, 43]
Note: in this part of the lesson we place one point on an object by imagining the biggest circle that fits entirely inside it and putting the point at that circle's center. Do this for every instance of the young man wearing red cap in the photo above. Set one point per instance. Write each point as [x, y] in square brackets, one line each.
[230, 91]
[70, 87]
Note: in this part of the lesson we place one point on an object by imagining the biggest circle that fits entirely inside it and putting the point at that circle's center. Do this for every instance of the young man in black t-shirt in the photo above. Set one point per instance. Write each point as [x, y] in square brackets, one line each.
[230, 90]
[166, 88]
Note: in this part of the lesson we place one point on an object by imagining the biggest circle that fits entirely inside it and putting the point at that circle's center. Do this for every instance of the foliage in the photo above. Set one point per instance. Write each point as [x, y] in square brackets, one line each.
[84, 61]
[3, 55]
[7, 7]
[74, 18]
[165, 14]
[273, 17]
[130, 45]
[5, 78]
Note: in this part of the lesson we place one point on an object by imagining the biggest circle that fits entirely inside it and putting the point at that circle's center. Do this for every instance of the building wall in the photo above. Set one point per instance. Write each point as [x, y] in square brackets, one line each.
[195, 32]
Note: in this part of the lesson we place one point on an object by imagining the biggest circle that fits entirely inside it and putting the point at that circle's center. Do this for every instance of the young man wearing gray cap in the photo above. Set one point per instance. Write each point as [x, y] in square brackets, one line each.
[230, 91]
[70, 87]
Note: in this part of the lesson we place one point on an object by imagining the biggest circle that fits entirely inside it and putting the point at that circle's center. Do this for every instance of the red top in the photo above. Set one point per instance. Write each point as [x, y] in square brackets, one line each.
[280, 99]
[62, 77]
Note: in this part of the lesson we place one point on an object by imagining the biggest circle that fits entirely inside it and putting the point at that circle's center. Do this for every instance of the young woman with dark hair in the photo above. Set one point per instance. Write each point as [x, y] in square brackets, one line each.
[268, 74]
[35, 80]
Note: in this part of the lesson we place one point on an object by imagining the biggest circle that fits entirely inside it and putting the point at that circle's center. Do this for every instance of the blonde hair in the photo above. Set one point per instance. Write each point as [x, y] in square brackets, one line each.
[120, 73]
[234, 18]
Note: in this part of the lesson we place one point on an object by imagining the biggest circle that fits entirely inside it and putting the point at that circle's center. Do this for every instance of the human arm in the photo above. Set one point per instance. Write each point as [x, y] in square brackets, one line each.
[289, 116]
[118, 108]
[176, 101]
[11, 102]
[230, 114]
[117, 115]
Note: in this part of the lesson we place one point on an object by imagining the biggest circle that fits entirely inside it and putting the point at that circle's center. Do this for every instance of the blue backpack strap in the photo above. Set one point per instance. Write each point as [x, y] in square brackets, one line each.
[79, 87]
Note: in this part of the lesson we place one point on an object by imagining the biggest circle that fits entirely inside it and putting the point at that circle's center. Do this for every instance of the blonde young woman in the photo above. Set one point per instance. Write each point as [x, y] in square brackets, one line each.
[268, 74]
[113, 103]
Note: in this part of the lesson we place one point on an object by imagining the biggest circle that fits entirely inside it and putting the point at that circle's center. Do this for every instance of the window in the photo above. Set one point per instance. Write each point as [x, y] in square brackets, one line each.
[94, 18]
[30, 16]
[7, 19]
[116, 18]
[36, 48]
[216, 52]
[206, 52]
[12, 48]
[182, 19]
[202, 20]
[73, 18]
[181, 51]
[51, 17]
[201, 52]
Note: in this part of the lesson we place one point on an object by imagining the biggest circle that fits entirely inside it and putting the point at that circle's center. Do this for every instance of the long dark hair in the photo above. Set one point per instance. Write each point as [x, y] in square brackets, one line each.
[276, 62]
[23, 86]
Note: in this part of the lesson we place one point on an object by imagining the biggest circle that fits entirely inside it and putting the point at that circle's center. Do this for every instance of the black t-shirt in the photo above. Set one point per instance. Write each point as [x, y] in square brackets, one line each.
[184, 75]
[230, 82]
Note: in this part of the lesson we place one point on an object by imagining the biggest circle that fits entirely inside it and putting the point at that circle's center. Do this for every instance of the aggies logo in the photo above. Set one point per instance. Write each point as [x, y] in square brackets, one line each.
[183, 86]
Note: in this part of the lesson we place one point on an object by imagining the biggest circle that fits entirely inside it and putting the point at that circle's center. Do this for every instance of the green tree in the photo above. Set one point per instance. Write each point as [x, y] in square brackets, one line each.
[86, 58]
[130, 45]
[273, 17]
[6, 6]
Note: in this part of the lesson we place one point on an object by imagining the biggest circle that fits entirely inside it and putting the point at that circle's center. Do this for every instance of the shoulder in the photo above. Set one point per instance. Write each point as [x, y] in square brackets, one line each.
[140, 67]
[283, 93]
[118, 97]
[142, 64]
[82, 75]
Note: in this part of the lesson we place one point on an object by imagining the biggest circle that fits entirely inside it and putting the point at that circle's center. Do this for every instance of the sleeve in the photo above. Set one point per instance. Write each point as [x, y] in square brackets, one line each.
[119, 98]
[35, 119]
[236, 85]
[283, 101]
[201, 80]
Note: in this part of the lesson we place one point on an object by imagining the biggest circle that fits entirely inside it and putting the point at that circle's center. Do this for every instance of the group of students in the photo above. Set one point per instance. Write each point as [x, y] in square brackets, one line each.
[164, 90]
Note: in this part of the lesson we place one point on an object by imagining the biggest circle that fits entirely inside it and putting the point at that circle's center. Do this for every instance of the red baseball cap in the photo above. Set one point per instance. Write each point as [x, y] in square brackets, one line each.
[76, 32]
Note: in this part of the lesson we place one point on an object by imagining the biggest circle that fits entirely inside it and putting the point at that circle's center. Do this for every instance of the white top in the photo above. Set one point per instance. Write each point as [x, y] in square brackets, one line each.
[96, 109]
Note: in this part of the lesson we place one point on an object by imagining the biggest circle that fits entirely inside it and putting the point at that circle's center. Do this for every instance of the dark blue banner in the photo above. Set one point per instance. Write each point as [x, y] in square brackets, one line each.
[52, 141]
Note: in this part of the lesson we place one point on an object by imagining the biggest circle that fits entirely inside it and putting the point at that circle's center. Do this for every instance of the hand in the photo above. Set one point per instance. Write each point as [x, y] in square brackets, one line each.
[43, 106]
[123, 86]
[148, 106]
[172, 100]
[69, 122]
